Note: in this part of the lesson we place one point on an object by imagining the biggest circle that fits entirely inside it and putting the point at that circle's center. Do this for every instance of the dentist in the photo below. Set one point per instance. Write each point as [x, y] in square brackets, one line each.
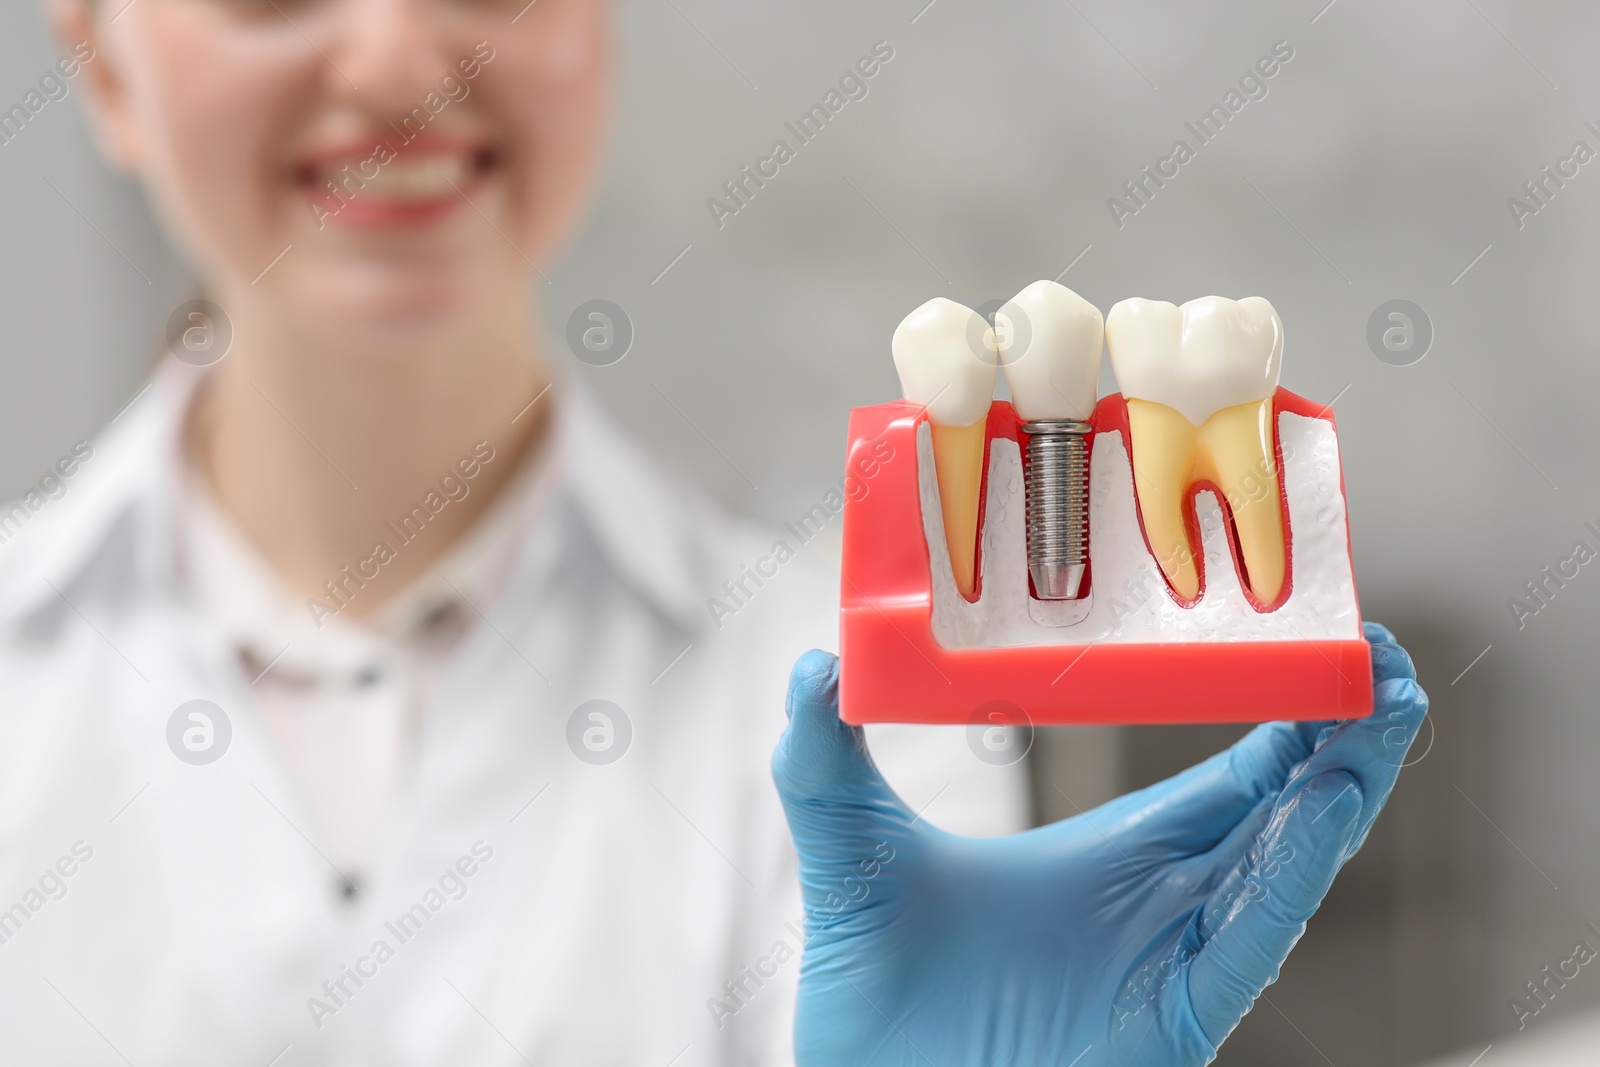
[361, 704]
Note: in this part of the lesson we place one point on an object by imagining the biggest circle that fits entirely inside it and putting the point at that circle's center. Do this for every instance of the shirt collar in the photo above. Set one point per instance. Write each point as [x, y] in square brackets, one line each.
[113, 503]
[651, 530]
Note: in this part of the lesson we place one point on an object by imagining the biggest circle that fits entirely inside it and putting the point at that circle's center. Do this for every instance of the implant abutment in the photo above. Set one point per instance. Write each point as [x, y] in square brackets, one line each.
[1056, 483]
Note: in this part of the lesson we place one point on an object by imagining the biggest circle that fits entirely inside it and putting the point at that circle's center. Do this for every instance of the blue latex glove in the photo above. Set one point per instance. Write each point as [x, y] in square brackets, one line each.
[1138, 933]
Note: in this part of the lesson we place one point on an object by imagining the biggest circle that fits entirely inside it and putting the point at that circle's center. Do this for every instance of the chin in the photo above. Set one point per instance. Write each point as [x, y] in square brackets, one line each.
[388, 311]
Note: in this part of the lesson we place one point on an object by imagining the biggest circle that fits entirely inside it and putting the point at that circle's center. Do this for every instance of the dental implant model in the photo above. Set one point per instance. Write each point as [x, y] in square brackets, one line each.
[1175, 552]
[1048, 339]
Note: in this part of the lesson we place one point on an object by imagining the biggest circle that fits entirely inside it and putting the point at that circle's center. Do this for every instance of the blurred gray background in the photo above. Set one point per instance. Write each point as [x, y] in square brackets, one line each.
[1378, 167]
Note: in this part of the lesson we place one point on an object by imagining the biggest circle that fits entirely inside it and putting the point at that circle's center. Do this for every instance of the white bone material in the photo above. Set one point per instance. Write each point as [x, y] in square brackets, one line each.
[1129, 601]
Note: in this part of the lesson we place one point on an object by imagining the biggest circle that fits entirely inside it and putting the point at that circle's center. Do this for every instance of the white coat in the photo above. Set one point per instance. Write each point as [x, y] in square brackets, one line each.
[523, 905]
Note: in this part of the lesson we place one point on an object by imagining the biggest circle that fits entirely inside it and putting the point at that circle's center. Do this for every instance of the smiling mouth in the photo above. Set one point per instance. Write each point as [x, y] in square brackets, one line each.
[418, 184]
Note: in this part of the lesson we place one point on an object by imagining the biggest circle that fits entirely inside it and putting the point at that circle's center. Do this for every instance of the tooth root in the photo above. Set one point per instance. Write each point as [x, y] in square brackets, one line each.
[1233, 450]
[1237, 442]
[1163, 444]
[958, 463]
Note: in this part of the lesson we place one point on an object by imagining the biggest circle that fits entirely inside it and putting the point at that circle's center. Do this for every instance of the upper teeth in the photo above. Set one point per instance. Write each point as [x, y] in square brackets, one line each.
[1048, 339]
[1210, 354]
[421, 178]
[941, 352]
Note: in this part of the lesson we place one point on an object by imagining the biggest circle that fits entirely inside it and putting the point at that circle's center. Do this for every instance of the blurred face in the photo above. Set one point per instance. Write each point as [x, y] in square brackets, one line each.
[414, 157]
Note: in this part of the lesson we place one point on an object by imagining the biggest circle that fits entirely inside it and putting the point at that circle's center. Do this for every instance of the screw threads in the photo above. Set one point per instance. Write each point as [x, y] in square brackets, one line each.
[1057, 486]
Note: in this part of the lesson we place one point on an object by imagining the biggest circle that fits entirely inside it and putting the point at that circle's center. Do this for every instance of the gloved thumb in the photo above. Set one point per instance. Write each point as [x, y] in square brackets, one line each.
[821, 763]
[847, 824]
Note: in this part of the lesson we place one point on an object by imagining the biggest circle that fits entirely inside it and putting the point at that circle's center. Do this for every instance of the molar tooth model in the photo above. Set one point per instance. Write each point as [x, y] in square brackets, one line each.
[1178, 552]
[1199, 382]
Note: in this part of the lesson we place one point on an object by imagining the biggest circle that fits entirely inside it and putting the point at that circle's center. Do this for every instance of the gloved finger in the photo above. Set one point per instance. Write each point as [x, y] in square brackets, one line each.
[1309, 837]
[1377, 633]
[1219, 873]
[1244, 855]
[1357, 747]
[1193, 812]
[1389, 660]
[1372, 750]
[844, 818]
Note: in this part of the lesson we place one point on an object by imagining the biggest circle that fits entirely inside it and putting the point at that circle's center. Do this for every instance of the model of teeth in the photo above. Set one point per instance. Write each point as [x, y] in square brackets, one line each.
[1199, 380]
[946, 359]
[1050, 349]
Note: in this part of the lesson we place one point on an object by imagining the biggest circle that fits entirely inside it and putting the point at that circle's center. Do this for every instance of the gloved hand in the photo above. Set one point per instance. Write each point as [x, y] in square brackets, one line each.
[1138, 933]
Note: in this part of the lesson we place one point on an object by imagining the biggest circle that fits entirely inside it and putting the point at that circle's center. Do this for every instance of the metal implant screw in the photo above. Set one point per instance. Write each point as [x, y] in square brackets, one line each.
[1057, 485]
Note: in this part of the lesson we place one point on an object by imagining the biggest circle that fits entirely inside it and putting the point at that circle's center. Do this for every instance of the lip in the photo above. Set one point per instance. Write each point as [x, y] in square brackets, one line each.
[370, 212]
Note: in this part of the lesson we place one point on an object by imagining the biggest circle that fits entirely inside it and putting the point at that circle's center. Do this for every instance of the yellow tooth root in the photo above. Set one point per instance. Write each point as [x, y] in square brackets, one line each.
[1233, 450]
[958, 463]
[1163, 444]
[1243, 464]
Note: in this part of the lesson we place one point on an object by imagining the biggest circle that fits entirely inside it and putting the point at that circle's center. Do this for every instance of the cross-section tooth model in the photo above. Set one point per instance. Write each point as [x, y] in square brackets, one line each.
[1199, 382]
[944, 353]
[1176, 552]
